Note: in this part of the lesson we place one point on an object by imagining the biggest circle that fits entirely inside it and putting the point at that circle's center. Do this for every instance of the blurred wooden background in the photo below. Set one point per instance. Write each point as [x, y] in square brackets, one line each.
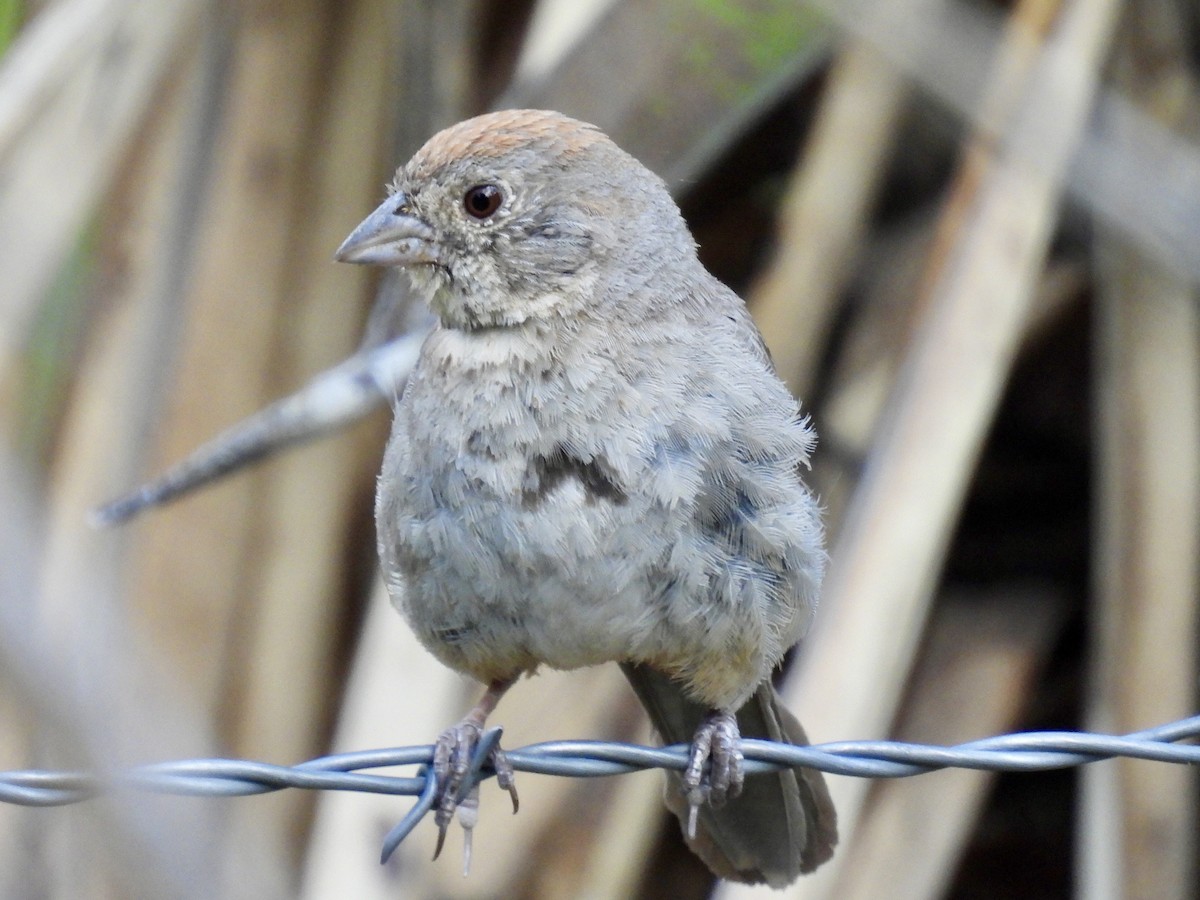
[968, 231]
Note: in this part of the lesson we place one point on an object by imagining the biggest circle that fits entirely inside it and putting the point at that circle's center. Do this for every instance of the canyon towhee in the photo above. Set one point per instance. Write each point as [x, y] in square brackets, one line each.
[594, 461]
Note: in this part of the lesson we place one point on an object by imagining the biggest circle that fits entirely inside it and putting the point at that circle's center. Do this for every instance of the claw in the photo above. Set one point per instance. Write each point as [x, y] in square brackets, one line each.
[714, 771]
[452, 757]
[441, 838]
[505, 777]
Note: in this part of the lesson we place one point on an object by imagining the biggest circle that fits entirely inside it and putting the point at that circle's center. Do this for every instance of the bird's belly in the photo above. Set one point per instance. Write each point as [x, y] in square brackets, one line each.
[494, 587]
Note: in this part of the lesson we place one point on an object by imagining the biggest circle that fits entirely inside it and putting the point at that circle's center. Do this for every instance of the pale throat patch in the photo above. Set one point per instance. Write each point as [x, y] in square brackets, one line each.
[488, 348]
[549, 306]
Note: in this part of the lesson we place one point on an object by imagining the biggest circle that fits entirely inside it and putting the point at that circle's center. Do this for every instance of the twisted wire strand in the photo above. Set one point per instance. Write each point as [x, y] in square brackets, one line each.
[1022, 752]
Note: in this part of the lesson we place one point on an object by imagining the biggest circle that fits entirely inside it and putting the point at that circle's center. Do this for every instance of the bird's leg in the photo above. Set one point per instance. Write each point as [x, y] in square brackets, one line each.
[714, 773]
[452, 765]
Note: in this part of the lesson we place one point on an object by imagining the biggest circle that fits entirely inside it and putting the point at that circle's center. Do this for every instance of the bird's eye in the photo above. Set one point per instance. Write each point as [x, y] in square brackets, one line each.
[482, 201]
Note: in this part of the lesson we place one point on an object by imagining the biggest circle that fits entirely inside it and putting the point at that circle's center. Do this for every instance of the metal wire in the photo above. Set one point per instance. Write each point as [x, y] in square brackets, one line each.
[1025, 752]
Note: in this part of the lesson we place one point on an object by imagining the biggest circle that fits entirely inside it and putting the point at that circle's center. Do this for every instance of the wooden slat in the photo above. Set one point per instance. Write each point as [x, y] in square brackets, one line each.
[980, 283]
[16, 867]
[241, 590]
[863, 380]
[975, 678]
[824, 214]
[1138, 821]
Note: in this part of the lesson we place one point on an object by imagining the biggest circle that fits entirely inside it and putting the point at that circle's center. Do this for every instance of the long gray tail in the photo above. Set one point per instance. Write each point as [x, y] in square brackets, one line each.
[782, 825]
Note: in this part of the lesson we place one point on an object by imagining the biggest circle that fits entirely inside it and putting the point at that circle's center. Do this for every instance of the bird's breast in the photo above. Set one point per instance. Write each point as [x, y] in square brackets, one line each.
[506, 510]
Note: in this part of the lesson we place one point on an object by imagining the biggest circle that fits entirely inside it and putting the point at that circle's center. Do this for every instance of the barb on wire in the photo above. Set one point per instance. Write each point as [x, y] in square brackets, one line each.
[1024, 752]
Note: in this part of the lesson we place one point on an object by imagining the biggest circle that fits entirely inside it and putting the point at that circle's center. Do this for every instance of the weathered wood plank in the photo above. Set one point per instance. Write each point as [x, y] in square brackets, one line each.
[975, 679]
[1137, 820]
[825, 211]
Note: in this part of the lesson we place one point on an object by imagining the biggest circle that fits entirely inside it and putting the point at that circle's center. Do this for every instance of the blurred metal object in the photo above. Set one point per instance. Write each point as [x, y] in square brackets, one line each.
[331, 400]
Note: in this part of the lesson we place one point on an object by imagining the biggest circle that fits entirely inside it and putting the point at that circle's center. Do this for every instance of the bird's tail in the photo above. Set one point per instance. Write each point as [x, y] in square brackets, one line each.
[783, 823]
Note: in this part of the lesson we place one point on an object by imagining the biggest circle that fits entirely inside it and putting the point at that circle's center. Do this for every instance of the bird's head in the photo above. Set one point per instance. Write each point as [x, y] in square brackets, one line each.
[521, 214]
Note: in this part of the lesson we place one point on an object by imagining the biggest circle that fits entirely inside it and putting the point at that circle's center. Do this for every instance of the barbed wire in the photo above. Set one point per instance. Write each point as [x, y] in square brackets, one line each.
[1021, 752]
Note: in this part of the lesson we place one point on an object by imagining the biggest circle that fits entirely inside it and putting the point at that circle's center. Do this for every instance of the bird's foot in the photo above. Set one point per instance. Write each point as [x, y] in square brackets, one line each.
[458, 755]
[714, 773]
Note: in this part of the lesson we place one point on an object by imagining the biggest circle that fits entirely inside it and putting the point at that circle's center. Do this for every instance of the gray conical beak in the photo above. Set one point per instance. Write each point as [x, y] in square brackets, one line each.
[390, 236]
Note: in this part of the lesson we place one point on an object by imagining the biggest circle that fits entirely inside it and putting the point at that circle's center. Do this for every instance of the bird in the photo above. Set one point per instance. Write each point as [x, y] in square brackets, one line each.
[593, 461]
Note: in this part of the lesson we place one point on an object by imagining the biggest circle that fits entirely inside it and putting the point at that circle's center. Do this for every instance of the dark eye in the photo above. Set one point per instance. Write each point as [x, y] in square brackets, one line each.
[482, 200]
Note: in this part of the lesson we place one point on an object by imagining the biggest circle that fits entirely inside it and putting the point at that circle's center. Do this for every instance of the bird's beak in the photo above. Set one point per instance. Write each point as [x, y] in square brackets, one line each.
[390, 236]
